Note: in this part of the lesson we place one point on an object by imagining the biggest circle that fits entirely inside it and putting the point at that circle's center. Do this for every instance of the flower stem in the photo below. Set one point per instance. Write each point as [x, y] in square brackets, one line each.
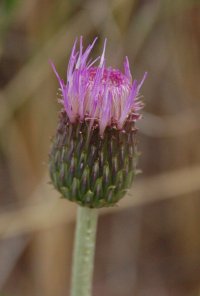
[83, 257]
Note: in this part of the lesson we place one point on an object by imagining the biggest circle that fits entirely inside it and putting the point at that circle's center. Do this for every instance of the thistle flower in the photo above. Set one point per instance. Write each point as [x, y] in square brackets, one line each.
[93, 155]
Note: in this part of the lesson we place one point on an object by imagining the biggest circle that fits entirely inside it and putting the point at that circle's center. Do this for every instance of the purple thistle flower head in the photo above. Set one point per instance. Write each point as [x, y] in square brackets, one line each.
[97, 93]
[94, 153]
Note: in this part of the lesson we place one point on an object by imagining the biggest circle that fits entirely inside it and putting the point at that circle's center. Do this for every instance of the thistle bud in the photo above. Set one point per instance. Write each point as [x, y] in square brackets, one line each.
[93, 156]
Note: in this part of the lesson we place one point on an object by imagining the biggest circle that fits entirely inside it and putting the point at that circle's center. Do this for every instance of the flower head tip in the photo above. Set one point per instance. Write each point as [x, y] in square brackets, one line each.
[101, 94]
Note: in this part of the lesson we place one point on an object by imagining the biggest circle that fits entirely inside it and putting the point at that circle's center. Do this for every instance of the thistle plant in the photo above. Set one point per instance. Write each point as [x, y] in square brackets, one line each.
[93, 157]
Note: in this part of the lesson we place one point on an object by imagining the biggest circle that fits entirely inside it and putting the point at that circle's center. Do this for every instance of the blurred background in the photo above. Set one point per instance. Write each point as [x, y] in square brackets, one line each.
[150, 244]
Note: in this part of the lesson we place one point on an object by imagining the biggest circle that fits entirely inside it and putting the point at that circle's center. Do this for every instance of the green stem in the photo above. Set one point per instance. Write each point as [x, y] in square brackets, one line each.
[83, 257]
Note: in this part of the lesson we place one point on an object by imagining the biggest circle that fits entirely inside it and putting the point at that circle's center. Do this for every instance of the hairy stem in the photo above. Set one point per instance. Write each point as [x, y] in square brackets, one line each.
[83, 257]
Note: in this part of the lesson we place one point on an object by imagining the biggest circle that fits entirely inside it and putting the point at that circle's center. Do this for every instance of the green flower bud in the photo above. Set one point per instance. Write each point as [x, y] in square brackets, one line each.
[93, 157]
[90, 170]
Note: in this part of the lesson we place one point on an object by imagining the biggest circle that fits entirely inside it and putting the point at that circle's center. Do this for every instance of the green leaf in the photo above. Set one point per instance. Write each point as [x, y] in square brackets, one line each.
[106, 176]
[75, 189]
[88, 197]
[98, 189]
[65, 192]
[85, 180]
